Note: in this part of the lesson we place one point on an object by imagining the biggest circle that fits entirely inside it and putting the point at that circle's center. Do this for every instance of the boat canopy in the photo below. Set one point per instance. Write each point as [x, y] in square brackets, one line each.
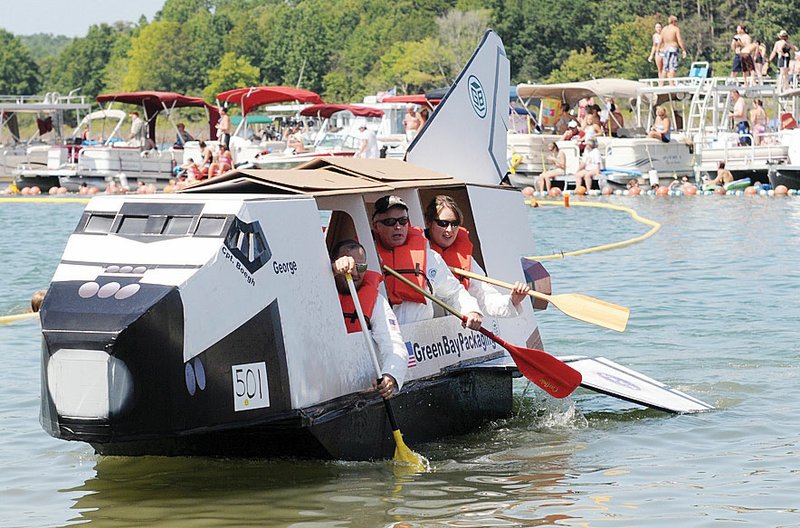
[573, 92]
[418, 99]
[326, 110]
[155, 102]
[255, 96]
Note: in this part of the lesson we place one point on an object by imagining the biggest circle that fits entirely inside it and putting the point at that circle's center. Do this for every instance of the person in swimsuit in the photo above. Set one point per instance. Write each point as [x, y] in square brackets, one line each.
[656, 54]
[558, 160]
[661, 128]
[758, 118]
[783, 50]
[671, 42]
[759, 55]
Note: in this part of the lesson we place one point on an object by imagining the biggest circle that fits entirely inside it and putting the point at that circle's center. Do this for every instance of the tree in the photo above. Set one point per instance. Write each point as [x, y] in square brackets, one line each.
[83, 61]
[154, 59]
[412, 66]
[18, 72]
[233, 72]
[628, 46]
[579, 66]
[459, 33]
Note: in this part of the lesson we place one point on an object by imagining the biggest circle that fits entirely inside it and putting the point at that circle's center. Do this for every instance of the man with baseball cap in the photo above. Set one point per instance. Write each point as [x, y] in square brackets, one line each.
[405, 249]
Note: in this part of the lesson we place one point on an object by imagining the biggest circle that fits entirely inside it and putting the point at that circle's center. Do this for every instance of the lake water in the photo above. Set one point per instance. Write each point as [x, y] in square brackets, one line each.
[714, 312]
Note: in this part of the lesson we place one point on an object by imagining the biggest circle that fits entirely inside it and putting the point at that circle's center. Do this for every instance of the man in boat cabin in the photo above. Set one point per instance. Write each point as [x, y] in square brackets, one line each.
[348, 256]
[445, 230]
[405, 249]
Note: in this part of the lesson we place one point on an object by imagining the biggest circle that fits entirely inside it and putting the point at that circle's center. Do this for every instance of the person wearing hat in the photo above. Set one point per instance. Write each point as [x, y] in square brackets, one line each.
[349, 257]
[369, 143]
[783, 50]
[405, 249]
[739, 116]
[573, 132]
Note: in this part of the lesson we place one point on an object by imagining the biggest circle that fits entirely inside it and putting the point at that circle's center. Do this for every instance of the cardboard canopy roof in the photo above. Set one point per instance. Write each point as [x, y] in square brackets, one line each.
[327, 176]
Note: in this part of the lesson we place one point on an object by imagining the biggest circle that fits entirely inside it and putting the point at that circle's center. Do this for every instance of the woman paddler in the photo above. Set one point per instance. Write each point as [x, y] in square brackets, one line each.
[448, 237]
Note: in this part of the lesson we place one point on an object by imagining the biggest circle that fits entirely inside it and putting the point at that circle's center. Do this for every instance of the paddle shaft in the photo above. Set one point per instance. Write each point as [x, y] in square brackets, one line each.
[371, 347]
[582, 307]
[551, 374]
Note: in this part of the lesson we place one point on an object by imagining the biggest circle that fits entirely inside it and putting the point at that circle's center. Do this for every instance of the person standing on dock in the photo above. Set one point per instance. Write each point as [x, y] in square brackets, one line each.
[671, 42]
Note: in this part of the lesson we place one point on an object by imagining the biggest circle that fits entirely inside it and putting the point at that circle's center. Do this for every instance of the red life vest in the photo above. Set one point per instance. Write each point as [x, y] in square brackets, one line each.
[459, 254]
[409, 260]
[367, 295]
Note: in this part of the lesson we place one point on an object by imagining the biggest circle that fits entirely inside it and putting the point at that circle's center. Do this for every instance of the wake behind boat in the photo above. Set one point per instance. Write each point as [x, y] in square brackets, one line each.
[208, 322]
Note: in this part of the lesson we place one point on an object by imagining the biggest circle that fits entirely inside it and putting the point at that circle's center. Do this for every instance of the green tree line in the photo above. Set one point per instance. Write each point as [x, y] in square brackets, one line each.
[345, 49]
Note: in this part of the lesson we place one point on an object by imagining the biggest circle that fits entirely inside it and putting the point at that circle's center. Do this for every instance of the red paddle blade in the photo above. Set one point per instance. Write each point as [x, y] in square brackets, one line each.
[551, 374]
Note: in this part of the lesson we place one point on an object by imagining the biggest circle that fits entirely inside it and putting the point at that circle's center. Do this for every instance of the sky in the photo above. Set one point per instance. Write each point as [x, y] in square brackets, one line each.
[70, 17]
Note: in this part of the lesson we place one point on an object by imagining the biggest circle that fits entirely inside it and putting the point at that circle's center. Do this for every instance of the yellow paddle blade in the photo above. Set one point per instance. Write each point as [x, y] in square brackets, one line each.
[5, 319]
[406, 457]
[592, 310]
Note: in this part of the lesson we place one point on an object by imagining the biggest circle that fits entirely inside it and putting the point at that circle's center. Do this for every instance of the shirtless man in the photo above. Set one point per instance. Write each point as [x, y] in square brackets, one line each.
[411, 123]
[671, 42]
[742, 47]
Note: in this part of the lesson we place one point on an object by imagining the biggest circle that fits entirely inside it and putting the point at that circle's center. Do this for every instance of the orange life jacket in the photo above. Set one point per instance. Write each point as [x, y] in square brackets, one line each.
[367, 295]
[409, 260]
[459, 254]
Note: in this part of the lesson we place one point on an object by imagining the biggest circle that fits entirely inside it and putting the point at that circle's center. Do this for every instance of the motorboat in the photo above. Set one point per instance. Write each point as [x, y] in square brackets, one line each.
[23, 158]
[115, 159]
[337, 136]
[245, 147]
[207, 322]
[629, 155]
[714, 138]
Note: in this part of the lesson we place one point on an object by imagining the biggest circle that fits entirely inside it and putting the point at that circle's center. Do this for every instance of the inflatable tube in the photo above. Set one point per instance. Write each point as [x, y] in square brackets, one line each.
[737, 184]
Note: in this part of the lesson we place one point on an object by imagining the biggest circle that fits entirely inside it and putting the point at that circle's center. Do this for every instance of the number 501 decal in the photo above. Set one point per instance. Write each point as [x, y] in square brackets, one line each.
[250, 387]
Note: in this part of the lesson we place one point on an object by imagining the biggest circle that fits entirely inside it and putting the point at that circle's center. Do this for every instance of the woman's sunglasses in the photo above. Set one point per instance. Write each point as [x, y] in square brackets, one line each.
[390, 222]
[361, 268]
[444, 224]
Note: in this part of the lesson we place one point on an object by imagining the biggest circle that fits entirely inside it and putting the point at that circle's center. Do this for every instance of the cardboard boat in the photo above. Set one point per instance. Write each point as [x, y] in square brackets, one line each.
[208, 322]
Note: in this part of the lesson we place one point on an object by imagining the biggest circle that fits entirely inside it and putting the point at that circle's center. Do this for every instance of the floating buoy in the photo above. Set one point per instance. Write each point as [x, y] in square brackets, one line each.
[555, 191]
[781, 190]
[527, 192]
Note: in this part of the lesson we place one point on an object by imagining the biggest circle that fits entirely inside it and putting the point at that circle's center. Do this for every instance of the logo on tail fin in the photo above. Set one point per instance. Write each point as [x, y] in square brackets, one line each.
[477, 96]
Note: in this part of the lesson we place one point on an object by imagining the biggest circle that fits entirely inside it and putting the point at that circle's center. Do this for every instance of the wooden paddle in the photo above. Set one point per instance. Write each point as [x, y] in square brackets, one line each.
[6, 319]
[402, 454]
[551, 374]
[582, 307]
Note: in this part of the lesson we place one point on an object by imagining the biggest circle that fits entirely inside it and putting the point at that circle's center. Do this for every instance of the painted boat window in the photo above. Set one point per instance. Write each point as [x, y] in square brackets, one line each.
[210, 226]
[141, 225]
[99, 223]
[178, 225]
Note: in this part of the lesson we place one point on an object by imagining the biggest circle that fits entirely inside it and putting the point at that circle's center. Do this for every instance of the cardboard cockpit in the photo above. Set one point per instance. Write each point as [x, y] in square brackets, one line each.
[349, 188]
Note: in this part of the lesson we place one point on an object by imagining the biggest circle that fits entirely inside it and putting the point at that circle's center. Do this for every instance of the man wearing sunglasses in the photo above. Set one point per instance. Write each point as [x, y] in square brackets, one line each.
[449, 238]
[405, 249]
[348, 256]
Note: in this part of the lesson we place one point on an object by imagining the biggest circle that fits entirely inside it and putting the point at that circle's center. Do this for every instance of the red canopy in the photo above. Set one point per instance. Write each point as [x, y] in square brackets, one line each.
[154, 102]
[419, 99]
[326, 110]
[255, 96]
